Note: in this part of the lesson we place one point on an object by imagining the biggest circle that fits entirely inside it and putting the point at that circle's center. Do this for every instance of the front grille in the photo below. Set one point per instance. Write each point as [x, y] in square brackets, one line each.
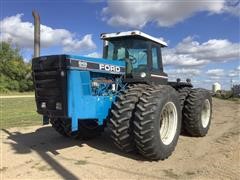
[50, 86]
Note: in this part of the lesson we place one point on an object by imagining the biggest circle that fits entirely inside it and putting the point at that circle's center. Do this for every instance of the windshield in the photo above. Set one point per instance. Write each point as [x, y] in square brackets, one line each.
[133, 51]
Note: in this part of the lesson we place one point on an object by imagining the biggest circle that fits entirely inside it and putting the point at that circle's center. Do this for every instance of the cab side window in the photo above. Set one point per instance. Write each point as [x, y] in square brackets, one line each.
[155, 59]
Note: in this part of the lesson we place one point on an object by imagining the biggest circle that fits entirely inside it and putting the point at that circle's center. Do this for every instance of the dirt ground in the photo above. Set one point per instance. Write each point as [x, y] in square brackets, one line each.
[40, 153]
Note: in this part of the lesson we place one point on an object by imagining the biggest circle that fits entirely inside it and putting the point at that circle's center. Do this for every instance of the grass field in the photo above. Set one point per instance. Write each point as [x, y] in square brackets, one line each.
[19, 112]
[10, 93]
[15, 112]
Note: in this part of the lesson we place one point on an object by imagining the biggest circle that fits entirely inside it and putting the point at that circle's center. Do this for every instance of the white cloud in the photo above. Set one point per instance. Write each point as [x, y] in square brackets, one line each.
[170, 57]
[215, 72]
[75, 45]
[94, 55]
[164, 40]
[213, 49]
[21, 33]
[192, 72]
[136, 14]
[232, 7]
[182, 73]
[207, 80]
[189, 59]
[191, 53]
[234, 73]
[238, 68]
[222, 76]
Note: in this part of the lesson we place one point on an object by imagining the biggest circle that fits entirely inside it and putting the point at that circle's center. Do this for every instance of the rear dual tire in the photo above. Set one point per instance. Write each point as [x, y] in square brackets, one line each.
[197, 112]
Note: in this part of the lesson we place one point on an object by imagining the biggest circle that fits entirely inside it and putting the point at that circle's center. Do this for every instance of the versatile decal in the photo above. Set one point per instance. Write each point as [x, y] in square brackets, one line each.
[82, 64]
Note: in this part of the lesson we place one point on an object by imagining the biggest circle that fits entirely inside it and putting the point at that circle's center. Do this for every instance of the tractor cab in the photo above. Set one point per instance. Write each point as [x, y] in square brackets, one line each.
[141, 52]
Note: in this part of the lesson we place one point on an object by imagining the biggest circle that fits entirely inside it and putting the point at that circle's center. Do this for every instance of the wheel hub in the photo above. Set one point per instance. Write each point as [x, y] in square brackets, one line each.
[168, 125]
[205, 114]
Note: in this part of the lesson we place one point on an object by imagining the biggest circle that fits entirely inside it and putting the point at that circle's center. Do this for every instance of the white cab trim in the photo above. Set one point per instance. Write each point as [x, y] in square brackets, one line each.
[154, 75]
[133, 33]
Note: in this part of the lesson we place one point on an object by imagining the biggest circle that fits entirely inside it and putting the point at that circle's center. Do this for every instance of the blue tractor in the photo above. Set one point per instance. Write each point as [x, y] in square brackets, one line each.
[126, 91]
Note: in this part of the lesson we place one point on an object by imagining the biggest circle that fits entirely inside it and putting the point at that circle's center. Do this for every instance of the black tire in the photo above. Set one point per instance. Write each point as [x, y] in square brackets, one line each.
[121, 117]
[60, 126]
[193, 108]
[147, 122]
[89, 129]
[183, 93]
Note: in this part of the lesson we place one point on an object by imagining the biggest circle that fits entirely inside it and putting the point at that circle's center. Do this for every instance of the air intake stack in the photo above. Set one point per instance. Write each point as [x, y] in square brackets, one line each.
[36, 34]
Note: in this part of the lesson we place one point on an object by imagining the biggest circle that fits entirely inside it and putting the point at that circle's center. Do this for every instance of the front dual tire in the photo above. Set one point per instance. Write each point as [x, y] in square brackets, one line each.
[157, 123]
[151, 124]
[146, 119]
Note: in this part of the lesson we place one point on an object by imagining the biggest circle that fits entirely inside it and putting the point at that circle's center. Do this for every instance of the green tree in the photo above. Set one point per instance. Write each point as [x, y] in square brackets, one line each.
[15, 74]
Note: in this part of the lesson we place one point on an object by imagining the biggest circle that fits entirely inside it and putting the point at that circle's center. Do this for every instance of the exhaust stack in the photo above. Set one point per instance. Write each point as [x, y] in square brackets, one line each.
[36, 34]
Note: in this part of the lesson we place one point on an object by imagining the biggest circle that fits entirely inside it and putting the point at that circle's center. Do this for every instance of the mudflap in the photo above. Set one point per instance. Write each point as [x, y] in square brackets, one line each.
[45, 120]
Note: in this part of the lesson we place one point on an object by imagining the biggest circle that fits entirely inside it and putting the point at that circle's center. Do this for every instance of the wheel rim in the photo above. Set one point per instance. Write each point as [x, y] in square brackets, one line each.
[205, 114]
[168, 123]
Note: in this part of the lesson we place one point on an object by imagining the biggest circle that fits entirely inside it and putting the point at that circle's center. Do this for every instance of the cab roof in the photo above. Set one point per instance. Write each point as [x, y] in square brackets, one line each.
[106, 36]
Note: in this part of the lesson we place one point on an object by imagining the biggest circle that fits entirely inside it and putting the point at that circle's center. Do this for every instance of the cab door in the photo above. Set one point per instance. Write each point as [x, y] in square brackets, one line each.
[156, 67]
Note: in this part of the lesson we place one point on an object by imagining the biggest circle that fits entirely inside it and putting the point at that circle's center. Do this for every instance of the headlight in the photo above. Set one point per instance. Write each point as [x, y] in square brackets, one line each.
[95, 84]
[143, 74]
[113, 87]
[59, 106]
[43, 105]
[62, 73]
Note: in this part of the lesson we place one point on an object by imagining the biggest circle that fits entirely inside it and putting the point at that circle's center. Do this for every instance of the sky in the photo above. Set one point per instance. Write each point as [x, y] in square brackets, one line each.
[203, 36]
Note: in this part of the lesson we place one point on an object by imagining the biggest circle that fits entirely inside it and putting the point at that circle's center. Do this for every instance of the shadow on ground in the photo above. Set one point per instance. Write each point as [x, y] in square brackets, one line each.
[45, 139]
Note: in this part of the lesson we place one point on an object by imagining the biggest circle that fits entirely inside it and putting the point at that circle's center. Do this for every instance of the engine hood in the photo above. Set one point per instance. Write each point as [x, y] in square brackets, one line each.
[78, 62]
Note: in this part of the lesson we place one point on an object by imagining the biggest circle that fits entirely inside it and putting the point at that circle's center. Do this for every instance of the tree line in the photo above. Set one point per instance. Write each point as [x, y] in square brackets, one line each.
[15, 74]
